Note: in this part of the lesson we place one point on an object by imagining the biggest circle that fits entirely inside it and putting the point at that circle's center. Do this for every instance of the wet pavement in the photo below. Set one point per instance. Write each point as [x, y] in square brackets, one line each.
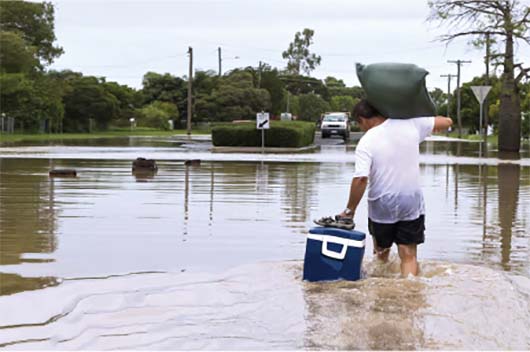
[210, 256]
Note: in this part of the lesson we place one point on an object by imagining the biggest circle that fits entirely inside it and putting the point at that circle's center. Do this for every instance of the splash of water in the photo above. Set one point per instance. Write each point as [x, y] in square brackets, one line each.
[267, 306]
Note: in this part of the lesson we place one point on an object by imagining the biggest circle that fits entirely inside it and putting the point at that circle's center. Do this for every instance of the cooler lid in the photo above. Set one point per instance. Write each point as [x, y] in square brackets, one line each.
[332, 231]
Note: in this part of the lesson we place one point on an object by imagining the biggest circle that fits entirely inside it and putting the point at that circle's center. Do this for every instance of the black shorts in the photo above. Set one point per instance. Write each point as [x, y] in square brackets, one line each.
[401, 232]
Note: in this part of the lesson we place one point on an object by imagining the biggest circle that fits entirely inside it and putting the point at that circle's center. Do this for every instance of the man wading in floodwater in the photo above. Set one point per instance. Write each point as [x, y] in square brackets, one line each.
[388, 156]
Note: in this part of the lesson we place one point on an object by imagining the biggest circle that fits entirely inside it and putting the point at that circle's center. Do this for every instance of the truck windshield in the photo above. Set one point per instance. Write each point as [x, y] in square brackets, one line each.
[335, 118]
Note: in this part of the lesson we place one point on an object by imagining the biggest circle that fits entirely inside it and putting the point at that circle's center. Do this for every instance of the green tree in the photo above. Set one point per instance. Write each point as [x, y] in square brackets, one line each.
[343, 103]
[312, 106]
[234, 98]
[204, 84]
[504, 22]
[298, 85]
[88, 100]
[32, 102]
[15, 55]
[65, 75]
[127, 101]
[165, 87]
[157, 115]
[15, 94]
[357, 92]
[47, 99]
[294, 105]
[270, 80]
[470, 107]
[34, 22]
[27, 92]
[440, 100]
[337, 87]
[300, 59]
[332, 82]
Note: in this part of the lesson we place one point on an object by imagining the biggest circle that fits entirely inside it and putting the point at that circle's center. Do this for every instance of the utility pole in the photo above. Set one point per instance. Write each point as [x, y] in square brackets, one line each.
[487, 62]
[190, 98]
[449, 76]
[219, 55]
[259, 75]
[488, 54]
[459, 118]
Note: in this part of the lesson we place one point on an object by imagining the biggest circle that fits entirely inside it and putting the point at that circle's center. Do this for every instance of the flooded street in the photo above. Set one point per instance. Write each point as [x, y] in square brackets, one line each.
[210, 256]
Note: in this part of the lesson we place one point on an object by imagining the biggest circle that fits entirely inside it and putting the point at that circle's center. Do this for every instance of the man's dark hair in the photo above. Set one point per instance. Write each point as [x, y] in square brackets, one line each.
[365, 109]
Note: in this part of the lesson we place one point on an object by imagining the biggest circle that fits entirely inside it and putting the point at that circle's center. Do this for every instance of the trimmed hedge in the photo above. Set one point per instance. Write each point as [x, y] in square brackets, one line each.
[282, 134]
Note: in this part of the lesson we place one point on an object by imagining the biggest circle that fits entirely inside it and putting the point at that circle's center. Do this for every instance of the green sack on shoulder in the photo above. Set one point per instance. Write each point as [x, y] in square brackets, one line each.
[397, 90]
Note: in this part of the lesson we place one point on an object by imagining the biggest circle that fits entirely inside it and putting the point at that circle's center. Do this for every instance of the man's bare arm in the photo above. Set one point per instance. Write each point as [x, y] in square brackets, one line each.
[358, 186]
[442, 123]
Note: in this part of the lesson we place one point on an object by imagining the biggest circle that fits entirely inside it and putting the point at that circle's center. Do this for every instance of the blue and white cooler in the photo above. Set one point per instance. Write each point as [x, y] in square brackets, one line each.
[333, 254]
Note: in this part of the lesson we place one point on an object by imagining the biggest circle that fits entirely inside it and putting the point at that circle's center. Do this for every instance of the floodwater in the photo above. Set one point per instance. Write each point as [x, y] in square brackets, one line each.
[210, 256]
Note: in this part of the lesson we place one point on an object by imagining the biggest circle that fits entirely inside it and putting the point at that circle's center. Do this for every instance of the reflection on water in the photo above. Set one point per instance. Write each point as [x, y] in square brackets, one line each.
[27, 224]
[508, 199]
[255, 211]
[204, 228]
[433, 152]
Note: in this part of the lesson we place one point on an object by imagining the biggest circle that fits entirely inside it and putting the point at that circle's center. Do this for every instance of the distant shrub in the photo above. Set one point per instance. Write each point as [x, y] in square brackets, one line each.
[282, 134]
[156, 115]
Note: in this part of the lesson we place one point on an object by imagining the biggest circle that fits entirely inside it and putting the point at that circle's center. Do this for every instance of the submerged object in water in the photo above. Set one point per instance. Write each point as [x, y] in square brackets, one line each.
[63, 173]
[333, 254]
[397, 90]
[142, 164]
[193, 162]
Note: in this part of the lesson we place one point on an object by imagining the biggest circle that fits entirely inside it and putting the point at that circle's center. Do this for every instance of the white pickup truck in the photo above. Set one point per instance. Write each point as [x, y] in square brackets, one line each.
[335, 124]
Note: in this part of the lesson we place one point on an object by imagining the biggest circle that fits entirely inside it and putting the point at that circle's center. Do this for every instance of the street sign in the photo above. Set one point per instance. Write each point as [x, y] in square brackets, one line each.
[262, 121]
[480, 92]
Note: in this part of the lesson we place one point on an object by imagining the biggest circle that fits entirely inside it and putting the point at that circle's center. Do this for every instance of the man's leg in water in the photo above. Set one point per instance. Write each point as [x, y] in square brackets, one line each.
[409, 234]
[381, 253]
[409, 262]
[383, 236]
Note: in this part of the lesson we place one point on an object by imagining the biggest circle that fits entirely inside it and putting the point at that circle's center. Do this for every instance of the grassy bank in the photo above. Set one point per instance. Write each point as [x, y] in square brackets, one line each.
[43, 137]
[473, 137]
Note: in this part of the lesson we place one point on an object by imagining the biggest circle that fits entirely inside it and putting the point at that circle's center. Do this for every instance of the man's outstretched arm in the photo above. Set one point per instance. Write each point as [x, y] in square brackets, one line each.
[357, 188]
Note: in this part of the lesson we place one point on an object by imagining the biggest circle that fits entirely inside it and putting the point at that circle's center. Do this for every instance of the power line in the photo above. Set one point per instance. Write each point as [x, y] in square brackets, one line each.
[381, 53]
[154, 59]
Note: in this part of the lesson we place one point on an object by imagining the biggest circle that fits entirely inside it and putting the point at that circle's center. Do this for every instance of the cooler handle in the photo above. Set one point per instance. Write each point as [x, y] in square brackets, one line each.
[332, 254]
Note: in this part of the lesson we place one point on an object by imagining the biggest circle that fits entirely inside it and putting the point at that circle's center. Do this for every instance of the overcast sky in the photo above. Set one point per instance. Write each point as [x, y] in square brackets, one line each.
[123, 39]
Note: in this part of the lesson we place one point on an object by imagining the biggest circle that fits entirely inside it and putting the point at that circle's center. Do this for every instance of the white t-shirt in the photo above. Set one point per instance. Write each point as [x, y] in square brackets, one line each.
[388, 154]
